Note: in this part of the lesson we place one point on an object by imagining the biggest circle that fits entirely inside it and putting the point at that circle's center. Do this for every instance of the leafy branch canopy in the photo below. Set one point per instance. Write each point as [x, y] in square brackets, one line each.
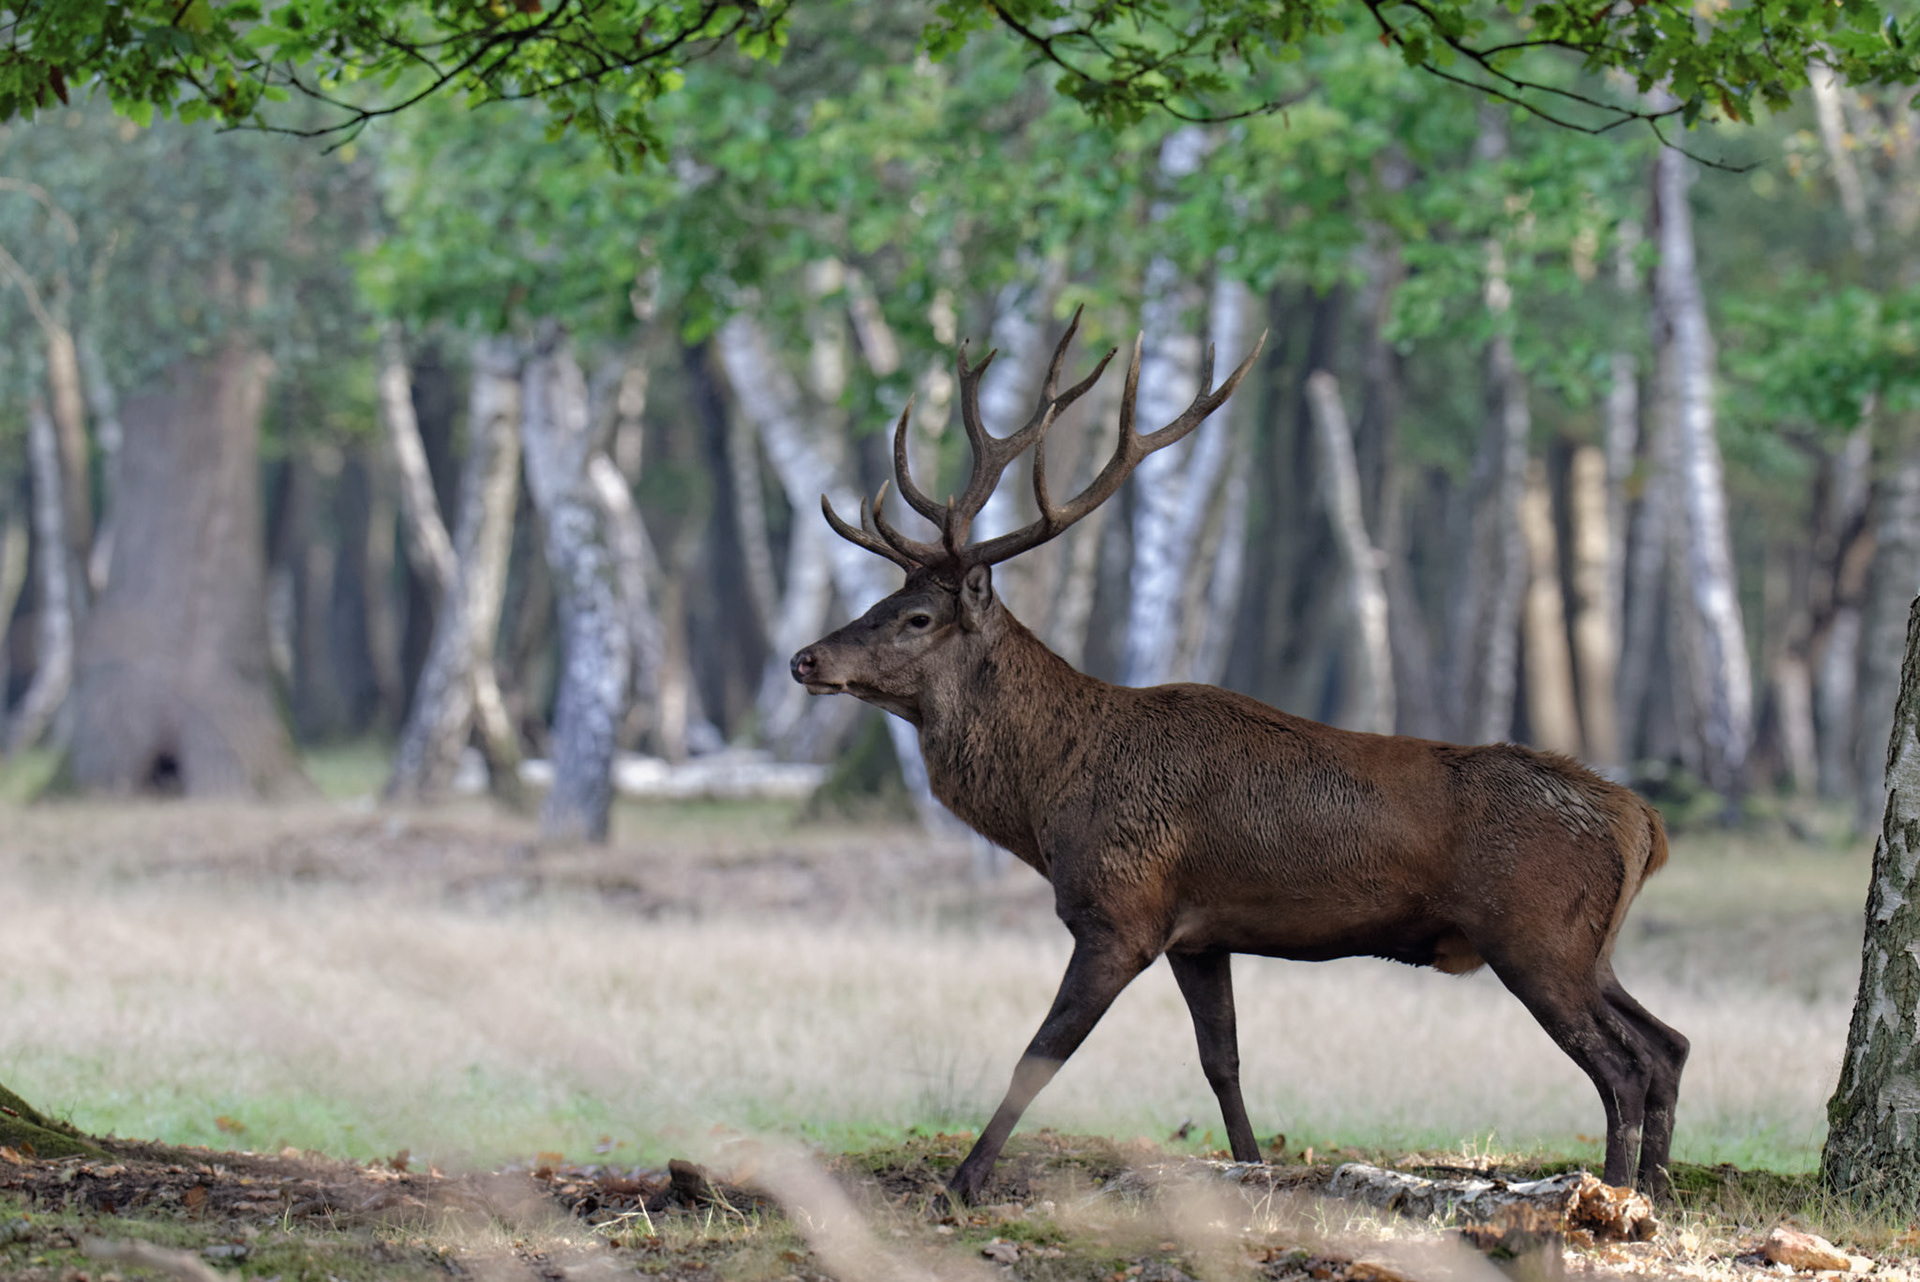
[326, 68]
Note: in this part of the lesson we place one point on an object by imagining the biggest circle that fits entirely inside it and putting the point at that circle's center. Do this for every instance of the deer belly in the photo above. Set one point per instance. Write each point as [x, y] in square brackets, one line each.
[1303, 930]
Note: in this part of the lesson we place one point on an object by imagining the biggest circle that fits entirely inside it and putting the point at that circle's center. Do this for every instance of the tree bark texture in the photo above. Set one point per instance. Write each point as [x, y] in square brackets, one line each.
[596, 648]
[1359, 561]
[458, 690]
[1894, 579]
[1713, 636]
[103, 403]
[1021, 337]
[1845, 553]
[806, 462]
[173, 690]
[1486, 632]
[636, 568]
[1552, 715]
[1872, 1152]
[54, 567]
[1596, 626]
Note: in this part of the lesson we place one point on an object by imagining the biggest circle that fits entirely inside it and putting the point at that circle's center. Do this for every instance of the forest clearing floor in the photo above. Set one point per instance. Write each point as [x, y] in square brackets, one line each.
[780, 1001]
[1062, 1207]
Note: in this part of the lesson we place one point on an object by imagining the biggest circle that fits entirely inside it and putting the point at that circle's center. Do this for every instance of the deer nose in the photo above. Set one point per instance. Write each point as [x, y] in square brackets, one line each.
[803, 665]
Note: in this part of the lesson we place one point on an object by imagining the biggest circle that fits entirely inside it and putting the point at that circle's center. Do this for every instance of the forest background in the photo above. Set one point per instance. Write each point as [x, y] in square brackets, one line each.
[473, 436]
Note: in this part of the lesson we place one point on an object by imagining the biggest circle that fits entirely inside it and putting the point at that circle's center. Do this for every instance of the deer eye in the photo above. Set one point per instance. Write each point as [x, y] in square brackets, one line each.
[920, 621]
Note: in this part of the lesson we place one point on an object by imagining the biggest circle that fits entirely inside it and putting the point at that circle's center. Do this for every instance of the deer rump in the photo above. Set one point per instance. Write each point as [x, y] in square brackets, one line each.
[1195, 823]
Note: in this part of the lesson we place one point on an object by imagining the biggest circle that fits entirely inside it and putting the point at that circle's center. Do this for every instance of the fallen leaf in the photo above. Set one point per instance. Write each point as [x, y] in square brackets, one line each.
[195, 1197]
[10, 1157]
[399, 1160]
[229, 1125]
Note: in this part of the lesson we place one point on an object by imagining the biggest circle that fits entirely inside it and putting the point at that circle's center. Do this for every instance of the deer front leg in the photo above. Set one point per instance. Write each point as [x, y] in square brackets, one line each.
[1095, 976]
[1206, 981]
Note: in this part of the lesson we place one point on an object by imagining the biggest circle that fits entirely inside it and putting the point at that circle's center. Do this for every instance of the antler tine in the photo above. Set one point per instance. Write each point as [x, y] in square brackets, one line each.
[861, 538]
[921, 553]
[917, 500]
[1127, 453]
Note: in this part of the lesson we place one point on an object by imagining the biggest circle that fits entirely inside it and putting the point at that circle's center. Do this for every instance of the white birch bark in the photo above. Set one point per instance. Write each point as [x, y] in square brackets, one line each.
[1359, 559]
[53, 648]
[1828, 112]
[808, 467]
[769, 399]
[1720, 669]
[458, 690]
[1551, 712]
[103, 403]
[1022, 319]
[1891, 586]
[1221, 610]
[636, 567]
[596, 650]
[1872, 1151]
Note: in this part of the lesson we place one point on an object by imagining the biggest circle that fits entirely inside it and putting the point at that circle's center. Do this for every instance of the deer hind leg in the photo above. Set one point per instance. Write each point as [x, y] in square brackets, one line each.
[1095, 976]
[1206, 981]
[1669, 1051]
[1609, 1050]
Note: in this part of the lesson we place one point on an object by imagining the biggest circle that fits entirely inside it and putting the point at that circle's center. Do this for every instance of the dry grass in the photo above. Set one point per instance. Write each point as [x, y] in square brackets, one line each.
[359, 984]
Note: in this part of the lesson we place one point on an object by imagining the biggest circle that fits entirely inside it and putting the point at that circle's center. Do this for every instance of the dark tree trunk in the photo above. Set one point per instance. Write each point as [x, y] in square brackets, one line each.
[173, 690]
[350, 626]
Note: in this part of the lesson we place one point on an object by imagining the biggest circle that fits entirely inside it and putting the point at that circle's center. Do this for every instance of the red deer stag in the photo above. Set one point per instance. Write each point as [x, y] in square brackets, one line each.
[1195, 822]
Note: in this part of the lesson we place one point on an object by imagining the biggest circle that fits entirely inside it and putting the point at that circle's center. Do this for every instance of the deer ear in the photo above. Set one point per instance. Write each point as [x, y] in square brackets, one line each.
[976, 597]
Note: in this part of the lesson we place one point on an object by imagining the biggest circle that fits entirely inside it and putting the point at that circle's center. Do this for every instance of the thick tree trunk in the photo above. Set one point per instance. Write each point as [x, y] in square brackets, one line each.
[458, 691]
[1645, 588]
[54, 644]
[1894, 579]
[352, 634]
[1552, 715]
[596, 645]
[1872, 1153]
[1596, 628]
[173, 690]
[1359, 561]
[1712, 634]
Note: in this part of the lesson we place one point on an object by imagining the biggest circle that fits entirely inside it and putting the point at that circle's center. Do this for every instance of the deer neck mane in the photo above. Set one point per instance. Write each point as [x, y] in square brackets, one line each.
[991, 739]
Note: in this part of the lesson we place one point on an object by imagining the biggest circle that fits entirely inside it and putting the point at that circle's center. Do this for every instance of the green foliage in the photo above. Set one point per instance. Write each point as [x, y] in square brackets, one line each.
[602, 66]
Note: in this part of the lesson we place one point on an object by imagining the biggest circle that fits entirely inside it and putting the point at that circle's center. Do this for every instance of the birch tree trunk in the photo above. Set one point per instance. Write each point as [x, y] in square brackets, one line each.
[1645, 587]
[1596, 628]
[1551, 713]
[458, 690]
[54, 642]
[1487, 623]
[636, 568]
[1022, 319]
[15, 547]
[1894, 579]
[103, 402]
[770, 399]
[172, 689]
[1872, 1153]
[68, 402]
[596, 649]
[1833, 137]
[1359, 561]
[1719, 668]
[808, 467]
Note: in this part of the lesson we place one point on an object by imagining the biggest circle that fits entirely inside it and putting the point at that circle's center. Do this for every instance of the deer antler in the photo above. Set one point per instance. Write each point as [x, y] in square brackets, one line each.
[992, 454]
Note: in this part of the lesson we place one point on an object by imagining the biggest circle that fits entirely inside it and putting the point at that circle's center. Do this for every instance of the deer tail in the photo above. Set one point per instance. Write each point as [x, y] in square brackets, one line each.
[1641, 838]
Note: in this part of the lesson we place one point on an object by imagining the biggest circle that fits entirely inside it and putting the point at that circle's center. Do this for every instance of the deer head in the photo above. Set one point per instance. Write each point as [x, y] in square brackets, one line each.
[921, 640]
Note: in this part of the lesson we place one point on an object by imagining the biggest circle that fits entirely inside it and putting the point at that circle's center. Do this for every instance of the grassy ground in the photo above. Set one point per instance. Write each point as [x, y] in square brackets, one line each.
[337, 978]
